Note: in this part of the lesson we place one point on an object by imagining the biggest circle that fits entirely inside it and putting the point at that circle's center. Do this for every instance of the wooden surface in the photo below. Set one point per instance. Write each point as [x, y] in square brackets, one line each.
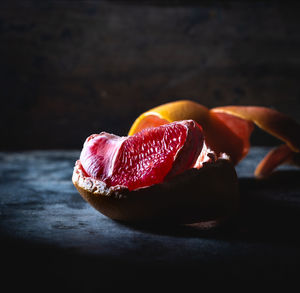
[72, 68]
[52, 239]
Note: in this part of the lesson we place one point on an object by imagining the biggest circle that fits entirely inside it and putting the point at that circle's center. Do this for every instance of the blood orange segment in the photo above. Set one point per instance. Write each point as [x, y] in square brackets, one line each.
[145, 158]
[223, 132]
[98, 152]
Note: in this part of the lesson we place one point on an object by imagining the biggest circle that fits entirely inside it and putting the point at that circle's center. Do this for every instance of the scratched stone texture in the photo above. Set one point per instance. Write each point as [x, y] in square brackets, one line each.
[69, 69]
[52, 240]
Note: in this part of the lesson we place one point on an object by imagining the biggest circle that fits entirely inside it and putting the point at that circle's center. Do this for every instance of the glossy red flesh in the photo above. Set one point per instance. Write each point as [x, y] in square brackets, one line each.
[145, 158]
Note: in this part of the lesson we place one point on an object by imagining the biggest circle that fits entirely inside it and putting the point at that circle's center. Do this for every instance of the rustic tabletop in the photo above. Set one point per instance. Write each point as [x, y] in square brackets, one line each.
[50, 234]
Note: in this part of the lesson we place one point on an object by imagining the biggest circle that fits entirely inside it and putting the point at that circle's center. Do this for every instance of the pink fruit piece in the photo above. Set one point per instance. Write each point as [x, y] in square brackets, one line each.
[149, 157]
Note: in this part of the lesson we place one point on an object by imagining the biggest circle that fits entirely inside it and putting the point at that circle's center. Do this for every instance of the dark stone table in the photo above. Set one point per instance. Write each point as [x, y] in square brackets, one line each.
[52, 239]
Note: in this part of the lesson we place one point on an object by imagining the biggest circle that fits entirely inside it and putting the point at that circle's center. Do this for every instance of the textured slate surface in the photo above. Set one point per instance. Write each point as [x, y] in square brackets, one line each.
[49, 234]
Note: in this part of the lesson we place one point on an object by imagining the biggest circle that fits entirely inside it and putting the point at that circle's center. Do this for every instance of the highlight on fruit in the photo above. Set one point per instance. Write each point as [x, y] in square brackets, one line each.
[164, 173]
[177, 162]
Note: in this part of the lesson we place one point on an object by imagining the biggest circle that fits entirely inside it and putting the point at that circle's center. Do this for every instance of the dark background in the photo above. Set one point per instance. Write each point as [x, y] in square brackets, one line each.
[72, 68]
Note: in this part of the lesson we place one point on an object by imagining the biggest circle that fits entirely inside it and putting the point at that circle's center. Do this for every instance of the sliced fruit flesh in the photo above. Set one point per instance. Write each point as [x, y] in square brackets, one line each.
[143, 159]
[223, 132]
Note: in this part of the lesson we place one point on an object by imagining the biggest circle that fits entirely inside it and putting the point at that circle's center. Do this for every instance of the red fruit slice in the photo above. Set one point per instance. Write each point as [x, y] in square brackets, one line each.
[144, 159]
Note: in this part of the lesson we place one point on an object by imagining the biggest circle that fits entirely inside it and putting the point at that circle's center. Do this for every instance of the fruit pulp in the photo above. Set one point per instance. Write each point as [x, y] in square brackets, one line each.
[144, 159]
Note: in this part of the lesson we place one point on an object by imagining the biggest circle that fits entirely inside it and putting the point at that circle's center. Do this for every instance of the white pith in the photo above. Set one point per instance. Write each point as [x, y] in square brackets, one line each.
[209, 156]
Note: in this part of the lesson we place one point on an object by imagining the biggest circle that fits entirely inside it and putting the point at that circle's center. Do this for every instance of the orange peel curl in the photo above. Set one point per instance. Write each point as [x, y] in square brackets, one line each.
[228, 129]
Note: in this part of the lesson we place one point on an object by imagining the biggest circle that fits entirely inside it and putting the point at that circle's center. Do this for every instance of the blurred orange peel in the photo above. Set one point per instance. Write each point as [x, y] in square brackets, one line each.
[228, 129]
